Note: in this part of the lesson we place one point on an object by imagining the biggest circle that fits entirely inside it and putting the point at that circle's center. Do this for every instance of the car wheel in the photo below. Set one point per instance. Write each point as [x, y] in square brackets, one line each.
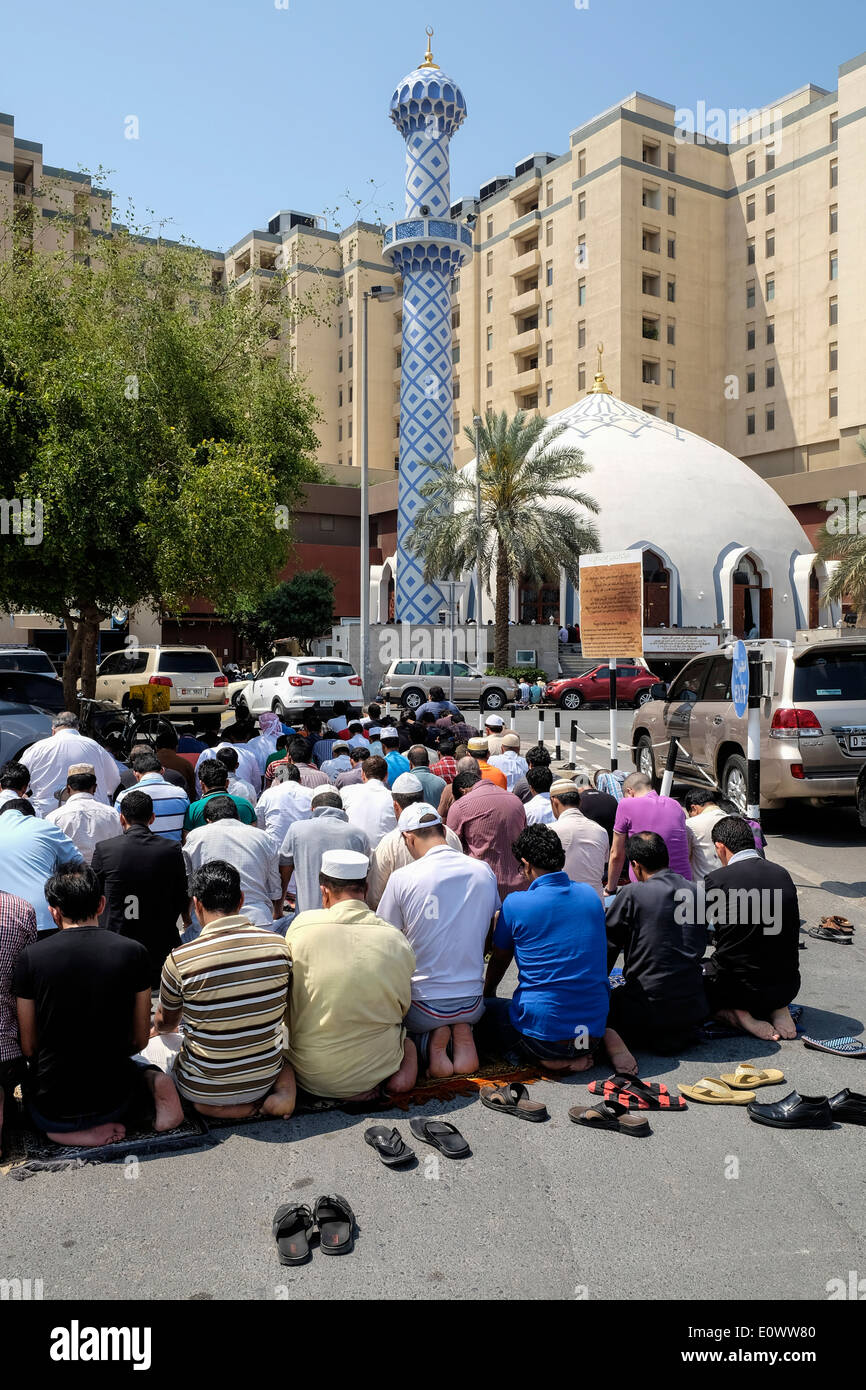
[241, 707]
[279, 710]
[412, 698]
[492, 699]
[572, 699]
[735, 782]
[644, 698]
[645, 760]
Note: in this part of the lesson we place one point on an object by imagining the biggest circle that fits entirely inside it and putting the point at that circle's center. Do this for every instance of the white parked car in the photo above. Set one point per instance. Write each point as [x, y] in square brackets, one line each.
[292, 686]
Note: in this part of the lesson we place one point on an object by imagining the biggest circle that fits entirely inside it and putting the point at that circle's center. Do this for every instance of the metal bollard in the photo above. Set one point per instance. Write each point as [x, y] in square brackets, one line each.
[572, 752]
[541, 725]
[513, 716]
[557, 736]
[388, 709]
[668, 779]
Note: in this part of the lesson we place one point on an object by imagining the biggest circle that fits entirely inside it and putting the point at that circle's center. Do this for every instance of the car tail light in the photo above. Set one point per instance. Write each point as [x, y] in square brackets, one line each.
[221, 680]
[798, 772]
[300, 680]
[795, 723]
[160, 680]
[354, 680]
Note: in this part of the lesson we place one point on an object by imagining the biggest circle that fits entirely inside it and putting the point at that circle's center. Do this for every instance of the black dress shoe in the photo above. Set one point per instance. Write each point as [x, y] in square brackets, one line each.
[849, 1107]
[794, 1112]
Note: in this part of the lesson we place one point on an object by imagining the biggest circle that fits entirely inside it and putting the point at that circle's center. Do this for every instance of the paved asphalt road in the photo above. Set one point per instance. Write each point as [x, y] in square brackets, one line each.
[711, 1206]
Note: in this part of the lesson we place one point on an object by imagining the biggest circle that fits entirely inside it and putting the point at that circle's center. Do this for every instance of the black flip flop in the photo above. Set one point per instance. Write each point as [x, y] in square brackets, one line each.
[513, 1099]
[823, 934]
[389, 1145]
[444, 1137]
[610, 1115]
[292, 1226]
[336, 1222]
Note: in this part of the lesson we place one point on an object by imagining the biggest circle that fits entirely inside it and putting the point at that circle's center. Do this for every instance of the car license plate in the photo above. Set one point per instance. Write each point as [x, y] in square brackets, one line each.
[193, 690]
[857, 742]
[327, 704]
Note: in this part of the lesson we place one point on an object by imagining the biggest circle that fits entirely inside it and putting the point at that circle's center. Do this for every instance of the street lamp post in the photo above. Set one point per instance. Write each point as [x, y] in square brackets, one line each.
[479, 629]
[379, 292]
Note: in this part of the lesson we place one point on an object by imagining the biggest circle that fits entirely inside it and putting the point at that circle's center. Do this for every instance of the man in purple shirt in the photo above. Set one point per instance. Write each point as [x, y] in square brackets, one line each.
[643, 809]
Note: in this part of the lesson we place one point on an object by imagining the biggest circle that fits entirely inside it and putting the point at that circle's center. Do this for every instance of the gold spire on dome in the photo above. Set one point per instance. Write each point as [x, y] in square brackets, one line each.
[428, 56]
[600, 386]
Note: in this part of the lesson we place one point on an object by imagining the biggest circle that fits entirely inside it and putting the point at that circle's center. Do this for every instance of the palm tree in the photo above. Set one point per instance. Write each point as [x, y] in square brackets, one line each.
[839, 540]
[523, 472]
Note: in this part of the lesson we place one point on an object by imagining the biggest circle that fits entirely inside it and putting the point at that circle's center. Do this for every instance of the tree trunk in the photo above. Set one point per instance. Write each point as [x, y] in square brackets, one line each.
[503, 595]
[72, 665]
[83, 634]
[90, 620]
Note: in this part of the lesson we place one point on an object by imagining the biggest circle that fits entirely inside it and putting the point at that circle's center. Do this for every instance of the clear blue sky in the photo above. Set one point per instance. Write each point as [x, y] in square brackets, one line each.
[245, 108]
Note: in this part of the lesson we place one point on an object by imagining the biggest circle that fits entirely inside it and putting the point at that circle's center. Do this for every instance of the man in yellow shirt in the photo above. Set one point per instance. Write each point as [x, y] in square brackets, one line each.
[351, 987]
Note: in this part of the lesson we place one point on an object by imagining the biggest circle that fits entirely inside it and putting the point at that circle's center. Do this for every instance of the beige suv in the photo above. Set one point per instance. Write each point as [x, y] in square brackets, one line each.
[813, 722]
[192, 675]
[409, 683]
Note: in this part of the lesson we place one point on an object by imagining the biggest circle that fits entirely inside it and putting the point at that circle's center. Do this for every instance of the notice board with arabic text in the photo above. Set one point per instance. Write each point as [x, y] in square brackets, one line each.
[611, 605]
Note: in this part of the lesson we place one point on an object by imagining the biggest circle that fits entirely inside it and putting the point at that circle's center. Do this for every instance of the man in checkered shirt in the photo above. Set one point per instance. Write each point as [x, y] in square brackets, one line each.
[17, 930]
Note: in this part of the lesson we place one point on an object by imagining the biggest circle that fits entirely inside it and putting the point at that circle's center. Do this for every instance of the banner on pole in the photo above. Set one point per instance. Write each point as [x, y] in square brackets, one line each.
[611, 605]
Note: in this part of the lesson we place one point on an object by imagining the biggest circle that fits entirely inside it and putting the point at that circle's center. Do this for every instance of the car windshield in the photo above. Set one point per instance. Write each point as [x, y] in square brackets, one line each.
[325, 668]
[192, 663]
[26, 661]
[32, 688]
[831, 676]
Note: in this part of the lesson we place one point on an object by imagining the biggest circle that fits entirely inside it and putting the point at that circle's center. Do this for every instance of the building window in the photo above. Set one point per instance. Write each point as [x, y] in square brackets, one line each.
[581, 293]
[548, 355]
[771, 244]
[651, 284]
[581, 376]
[548, 193]
[672, 248]
[340, 329]
[650, 373]
[581, 253]
[672, 159]
[834, 404]
[834, 219]
[770, 156]
[651, 153]
[548, 273]
[548, 234]
[771, 287]
[771, 375]
[672, 378]
[834, 127]
[750, 167]
[548, 393]
[834, 265]
[455, 317]
[548, 314]
[351, 392]
[672, 204]
[489, 339]
[750, 381]
[672, 416]
[771, 200]
[581, 163]
[750, 337]
[650, 329]
[490, 227]
[350, 460]
[455, 284]
[834, 173]
[834, 357]
[672, 333]
[750, 252]
[340, 398]
[650, 409]
[350, 427]
[750, 208]
[771, 333]
[455, 353]
[581, 333]
[581, 207]
[340, 432]
[770, 418]
[650, 241]
[456, 424]
[489, 374]
[750, 422]
[351, 358]
[672, 291]
[489, 262]
[340, 362]
[351, 322]
[455, 389]
[652, 196]
[490, 301]
[750, 295]
[834, 312]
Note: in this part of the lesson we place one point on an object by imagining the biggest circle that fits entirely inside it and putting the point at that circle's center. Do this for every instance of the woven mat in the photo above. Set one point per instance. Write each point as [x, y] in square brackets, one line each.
[26, 1151]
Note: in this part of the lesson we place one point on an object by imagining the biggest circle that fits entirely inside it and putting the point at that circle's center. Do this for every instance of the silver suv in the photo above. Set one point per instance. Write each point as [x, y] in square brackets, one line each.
[813, 721]
[409, 683]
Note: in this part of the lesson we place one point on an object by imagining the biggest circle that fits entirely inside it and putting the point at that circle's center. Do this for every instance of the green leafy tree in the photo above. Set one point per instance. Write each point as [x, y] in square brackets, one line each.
[841, 540]
[149, 417]
[302, 607]
[529, 524]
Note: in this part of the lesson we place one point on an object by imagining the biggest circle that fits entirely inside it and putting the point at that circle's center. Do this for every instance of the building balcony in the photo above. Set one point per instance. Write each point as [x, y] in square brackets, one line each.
[526, 302]
[397, 374]
[525, 264]
[523, 382]
[524, 342]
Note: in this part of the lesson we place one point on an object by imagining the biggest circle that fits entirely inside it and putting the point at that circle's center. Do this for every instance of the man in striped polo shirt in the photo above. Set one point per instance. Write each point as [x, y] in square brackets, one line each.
[170, 803]
[230, 986]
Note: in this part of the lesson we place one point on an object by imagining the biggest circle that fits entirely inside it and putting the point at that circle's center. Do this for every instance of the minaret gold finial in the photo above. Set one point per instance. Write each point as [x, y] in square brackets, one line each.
[428, 56]
[600, 386]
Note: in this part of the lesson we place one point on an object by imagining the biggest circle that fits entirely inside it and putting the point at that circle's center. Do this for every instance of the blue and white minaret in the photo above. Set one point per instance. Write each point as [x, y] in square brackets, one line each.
[427, 248]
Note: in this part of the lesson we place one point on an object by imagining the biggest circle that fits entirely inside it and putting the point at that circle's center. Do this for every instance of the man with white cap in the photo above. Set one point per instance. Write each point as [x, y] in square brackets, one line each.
[392, 852]
[584, 841]
[351, 986]
[494, 728]
[307, 841]
[445, 903]
[509, 760]
[368, 805]
[84, 819]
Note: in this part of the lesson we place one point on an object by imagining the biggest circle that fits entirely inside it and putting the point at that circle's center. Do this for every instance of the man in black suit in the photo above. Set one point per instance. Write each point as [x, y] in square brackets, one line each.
[143, 878]
[755, 972]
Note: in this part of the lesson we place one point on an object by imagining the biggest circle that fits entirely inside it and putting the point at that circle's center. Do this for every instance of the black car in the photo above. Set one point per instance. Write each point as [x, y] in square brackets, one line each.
[32, 688]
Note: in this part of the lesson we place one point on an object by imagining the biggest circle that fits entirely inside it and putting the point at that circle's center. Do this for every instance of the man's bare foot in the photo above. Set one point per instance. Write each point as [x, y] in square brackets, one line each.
[758, 1027]
[438, 1061]
[464, 1051]
[91, 1138]
[280, 1100]
[620, 1058]
[783, 1023]
[169, 1111]
[404, 1079]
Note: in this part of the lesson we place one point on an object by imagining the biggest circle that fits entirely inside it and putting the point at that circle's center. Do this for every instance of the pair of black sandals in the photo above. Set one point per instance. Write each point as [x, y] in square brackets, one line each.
[394, 1152]
[294, 1227]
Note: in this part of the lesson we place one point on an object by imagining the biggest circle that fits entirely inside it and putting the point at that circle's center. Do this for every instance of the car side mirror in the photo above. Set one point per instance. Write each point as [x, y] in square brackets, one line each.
[659, 691]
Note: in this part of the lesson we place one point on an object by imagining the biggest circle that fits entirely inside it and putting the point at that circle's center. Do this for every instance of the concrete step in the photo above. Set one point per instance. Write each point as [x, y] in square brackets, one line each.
[573, 664]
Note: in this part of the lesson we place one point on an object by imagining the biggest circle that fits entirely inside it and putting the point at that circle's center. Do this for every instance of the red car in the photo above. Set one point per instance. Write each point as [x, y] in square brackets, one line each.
[633, 686]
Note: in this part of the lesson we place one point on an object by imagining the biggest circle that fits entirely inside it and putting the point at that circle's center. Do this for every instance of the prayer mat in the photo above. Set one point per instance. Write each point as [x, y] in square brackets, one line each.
[27, 1152]
[712, 1031]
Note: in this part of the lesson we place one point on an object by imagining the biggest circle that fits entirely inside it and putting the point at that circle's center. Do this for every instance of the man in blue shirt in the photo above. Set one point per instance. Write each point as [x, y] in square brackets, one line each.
[397, 764]
[437, 705]
[170, 804]
[556, 933]
[32, 851]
